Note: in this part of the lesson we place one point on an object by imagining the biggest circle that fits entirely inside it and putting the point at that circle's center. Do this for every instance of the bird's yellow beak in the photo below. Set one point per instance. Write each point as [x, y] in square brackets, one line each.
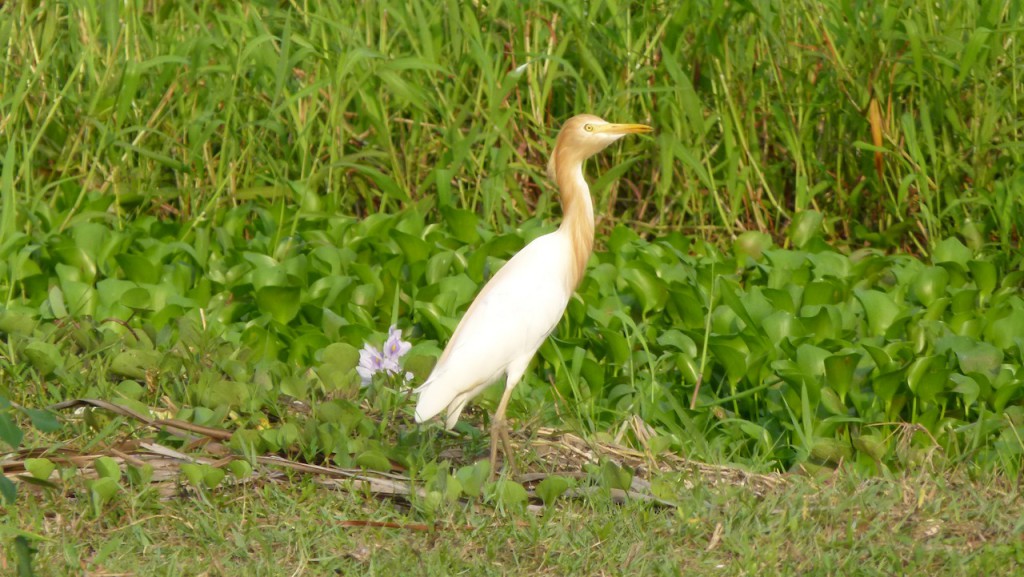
[623, 128]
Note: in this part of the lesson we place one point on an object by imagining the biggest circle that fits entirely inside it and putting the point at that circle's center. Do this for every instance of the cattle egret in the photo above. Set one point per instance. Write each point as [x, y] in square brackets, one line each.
[520, 306]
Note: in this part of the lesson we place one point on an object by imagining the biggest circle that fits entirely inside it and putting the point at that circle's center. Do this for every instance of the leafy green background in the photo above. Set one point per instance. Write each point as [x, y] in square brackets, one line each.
[209, 208]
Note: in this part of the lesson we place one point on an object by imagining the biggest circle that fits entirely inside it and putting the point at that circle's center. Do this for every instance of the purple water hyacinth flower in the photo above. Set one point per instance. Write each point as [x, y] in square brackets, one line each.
[373, 361]
[395, 347]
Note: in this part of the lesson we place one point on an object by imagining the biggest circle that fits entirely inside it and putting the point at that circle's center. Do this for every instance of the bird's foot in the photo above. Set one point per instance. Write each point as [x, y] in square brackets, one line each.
[499, 432]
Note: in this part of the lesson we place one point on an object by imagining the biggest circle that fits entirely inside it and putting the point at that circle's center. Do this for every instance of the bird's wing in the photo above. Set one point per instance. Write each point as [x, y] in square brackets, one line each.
[508, 321]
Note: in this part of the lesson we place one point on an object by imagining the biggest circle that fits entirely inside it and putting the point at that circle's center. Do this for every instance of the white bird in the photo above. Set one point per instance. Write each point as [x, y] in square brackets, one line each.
[520, 306]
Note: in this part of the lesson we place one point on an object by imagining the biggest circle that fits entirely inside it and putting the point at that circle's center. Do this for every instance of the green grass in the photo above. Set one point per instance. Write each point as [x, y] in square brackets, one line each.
[914, 525]
[207, 209]
[762, 111]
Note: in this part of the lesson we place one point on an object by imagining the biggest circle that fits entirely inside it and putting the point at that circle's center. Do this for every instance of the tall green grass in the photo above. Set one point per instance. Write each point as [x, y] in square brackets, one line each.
[182, 108]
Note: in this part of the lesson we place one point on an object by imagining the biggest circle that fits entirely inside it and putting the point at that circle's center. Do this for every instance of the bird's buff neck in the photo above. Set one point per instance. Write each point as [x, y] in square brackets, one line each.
[578, 218]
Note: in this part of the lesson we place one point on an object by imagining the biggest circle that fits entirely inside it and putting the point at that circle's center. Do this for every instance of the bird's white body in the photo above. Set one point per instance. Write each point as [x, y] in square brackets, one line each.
[520, 306]
[503, 328]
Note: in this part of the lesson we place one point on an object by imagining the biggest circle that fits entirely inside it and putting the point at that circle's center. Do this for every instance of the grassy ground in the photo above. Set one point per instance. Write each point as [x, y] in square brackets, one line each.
[914, 525]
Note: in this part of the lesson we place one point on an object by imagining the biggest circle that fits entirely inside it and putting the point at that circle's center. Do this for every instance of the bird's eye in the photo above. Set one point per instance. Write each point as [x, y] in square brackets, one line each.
[588, 127]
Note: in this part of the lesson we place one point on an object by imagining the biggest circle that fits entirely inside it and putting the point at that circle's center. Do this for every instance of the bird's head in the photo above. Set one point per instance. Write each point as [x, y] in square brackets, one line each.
[583, 136]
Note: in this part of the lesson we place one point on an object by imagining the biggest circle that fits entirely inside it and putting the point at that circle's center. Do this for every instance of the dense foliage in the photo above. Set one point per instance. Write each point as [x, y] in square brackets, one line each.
[208, 211]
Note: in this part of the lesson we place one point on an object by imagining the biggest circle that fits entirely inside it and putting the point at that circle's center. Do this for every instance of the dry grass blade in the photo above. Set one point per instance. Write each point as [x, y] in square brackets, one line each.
[566, 452]
[875, 119]
[388, 525]
[173, 426]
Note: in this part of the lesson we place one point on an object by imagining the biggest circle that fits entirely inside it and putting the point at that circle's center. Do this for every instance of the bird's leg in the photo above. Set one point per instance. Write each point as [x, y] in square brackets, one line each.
[506, 447]
[494, 447]
[499, 430]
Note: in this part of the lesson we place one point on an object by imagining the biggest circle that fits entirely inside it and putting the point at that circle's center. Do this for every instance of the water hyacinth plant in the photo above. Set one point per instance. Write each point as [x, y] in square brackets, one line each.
[385, 360]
